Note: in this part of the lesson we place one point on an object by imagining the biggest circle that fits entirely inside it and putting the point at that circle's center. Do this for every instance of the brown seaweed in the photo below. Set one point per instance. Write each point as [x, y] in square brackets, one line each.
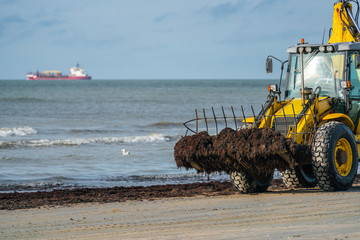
[256, 149]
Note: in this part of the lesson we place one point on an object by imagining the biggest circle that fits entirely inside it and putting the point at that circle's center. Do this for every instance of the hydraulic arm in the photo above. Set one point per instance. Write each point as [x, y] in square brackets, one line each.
[345, 27]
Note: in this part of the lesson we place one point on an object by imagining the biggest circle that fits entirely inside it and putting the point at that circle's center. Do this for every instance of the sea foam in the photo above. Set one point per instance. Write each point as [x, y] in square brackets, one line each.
[82, 141]
[20, 131]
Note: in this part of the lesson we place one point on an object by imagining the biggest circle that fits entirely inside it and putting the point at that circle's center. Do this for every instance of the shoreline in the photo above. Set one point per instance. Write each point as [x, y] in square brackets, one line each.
[27, 200]
[278, 214]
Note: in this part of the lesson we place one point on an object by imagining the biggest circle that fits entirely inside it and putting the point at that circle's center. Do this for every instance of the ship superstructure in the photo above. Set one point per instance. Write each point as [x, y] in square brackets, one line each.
[76, 73]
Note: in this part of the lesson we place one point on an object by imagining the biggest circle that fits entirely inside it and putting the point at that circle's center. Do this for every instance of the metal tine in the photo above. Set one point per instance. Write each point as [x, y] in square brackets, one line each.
[305, 128]
[196, 117]
[286, 123]
[312, 114]
[242, 110]
[262, 109]
[252, 109]
[187, 127]
[222, 108]
[273, 114]
[292, 105]
[215, 120]
[207, 129]
[232, 109]
[284, 115]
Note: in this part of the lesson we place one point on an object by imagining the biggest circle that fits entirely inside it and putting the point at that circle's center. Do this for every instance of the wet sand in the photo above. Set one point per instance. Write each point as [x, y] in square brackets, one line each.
[198, 211]
[300, 214]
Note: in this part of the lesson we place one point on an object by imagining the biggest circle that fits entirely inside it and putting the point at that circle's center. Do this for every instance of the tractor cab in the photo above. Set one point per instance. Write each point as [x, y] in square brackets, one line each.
[334, 68]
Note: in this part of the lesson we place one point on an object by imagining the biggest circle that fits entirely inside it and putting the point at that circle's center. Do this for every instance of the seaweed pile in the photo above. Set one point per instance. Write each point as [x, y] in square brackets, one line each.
[258, 149]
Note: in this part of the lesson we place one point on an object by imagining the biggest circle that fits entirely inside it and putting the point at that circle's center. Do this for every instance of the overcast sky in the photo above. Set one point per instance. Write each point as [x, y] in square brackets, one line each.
[156, 39]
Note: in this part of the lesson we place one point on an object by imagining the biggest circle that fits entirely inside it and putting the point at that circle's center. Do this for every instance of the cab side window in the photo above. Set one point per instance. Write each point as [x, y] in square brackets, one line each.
[355, 80]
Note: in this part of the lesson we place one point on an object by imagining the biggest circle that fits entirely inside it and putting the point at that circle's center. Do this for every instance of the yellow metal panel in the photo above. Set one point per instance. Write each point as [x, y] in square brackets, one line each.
[340, 33]
[324, 106]
[302, 131]
[288, 110]
[358, 127]
[293, 106]
[249, 120]
[341, 118]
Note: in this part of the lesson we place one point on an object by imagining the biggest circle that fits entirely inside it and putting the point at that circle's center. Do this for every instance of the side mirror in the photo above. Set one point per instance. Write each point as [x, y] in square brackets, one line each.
[269, 65]
[357, 61]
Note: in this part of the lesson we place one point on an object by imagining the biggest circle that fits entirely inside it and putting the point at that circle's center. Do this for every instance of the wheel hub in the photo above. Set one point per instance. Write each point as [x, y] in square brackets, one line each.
[343, 157]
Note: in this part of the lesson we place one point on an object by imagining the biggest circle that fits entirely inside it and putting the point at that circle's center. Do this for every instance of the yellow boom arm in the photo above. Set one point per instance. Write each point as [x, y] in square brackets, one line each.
[344, 29]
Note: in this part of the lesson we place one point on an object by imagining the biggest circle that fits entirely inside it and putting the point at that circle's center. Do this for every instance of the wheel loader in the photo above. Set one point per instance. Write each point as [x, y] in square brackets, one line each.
[311, 134]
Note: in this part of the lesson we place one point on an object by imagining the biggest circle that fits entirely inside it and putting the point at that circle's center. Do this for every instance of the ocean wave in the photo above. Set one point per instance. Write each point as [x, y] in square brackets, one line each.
[166, 124]
[83, 141]
[32, 186]
[23, 99]
[62, 182]
[89, 131]
[20, 131]
[146, 180]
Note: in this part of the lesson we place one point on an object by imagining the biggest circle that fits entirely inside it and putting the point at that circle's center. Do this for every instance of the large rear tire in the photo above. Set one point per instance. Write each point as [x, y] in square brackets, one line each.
[247, 182]
[299, 177]
[335, 157]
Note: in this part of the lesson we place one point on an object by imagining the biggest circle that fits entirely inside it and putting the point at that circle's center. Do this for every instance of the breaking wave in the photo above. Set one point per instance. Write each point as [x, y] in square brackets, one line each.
[82, 141]
[60, 182]
[20, 131]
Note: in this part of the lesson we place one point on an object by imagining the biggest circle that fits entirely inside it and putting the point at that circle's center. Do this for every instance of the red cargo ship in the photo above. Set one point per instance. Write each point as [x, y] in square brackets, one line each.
[77, 73]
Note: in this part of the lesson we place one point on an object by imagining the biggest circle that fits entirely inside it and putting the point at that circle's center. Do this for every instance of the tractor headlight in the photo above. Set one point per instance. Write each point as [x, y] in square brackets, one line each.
[330, 48]
[345, 84]
[273, 88]
[308, 49]
[322, 48]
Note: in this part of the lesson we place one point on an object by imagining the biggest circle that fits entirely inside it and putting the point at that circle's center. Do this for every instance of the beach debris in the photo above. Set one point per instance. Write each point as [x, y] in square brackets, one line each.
[258, 149]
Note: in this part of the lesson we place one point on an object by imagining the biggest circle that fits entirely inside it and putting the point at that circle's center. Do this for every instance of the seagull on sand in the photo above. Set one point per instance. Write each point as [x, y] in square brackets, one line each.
[124, 152]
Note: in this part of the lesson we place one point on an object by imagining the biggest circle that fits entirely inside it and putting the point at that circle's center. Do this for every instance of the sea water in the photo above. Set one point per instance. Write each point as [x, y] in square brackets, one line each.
[67, 134]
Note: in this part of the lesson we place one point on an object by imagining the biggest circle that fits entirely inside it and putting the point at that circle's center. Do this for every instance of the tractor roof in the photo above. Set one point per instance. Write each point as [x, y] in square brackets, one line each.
[343, 46]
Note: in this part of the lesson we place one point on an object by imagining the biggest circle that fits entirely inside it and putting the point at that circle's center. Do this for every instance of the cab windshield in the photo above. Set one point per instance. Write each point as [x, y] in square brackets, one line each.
[320, 69]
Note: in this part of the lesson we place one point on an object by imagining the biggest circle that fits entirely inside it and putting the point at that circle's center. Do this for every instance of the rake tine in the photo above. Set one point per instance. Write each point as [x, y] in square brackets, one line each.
[215, 120]
[286, 123]
[305, 133]
[262, 109]
[242, 110]
[224, 115]
[284, 115]
[252, 109]
[273, 114]
[232, 109]
[187, 128]
[292, 105]
[207, 129]
[197, 124]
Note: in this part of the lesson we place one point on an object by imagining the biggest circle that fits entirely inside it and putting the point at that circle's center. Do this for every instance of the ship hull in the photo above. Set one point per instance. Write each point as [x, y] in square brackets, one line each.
[77, 73]
[60, 78]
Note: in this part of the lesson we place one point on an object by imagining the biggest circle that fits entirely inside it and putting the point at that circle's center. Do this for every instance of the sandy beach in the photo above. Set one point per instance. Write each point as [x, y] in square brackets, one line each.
[277, 214]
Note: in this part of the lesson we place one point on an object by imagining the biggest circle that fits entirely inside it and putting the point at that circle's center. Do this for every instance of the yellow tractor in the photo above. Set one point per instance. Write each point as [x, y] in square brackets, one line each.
[320, 112]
